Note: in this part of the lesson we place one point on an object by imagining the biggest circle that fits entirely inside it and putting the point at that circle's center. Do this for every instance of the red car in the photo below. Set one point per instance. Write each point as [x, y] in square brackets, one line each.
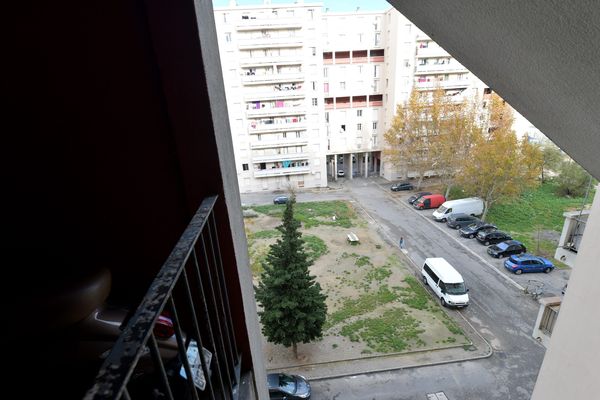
[429, 201]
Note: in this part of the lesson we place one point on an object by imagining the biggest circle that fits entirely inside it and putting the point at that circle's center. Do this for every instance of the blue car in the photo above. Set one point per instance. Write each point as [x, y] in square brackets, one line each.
[528, 263]
[280, 200]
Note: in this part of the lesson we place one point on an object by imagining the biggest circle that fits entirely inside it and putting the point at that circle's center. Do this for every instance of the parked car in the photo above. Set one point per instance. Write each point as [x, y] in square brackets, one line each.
[429, 201]
[460, 220]
[416, 196]
[492, 237]
[280, 200]
[289, 387]
[341, 172]
[528, 263]
[470, 231]
[507, 248]
[402, 186]
[470, 206]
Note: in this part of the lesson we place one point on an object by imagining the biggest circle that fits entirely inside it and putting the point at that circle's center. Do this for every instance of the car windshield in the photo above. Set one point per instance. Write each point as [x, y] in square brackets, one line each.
[502, 245]
[456, 288]
[441, 209]
[287, 383]
[474, 226]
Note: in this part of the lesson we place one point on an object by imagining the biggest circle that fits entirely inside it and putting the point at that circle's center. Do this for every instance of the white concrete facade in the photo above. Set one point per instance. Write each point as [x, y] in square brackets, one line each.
[312, 93]
[272, 68]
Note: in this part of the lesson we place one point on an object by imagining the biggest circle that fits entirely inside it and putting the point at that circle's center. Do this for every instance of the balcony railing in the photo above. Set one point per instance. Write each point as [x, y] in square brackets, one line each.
[192, 277]
[252, 24]
[280, 157]
[270, 43]
[432, 51]
[263, 173]
[444, 84]
[440, 68]
[291, 126]
[270, 59]
[275, 111]
[272, 78]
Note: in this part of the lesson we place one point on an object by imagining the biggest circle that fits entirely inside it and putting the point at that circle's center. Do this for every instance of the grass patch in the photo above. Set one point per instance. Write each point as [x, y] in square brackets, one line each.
[364, 304]
[537, 209]
[315, 213]
[314, 246]
[378, 274]
[394, 331]
[362, 261]
[268, 234]
[258, 255]
[415, 295]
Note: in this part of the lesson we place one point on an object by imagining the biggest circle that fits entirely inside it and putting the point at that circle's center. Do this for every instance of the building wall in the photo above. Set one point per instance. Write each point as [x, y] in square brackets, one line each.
[570, 367]
[272, 62]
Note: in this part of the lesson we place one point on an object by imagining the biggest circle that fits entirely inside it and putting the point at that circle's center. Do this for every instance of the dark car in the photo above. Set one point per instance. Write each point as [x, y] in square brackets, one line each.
[528, 263]
[460, 220]
[507, 248]
[280, 200]
[290, 387]
[402, 186]
[492, 237]
[470, 231]
[416, 196]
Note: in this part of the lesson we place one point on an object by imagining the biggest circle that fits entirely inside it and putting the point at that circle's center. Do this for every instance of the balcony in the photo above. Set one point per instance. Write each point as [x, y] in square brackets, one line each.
[275, 95]
[270, 60]
[280, 157]
[270, 42]
[445, 84]
[431, 51]
[252, 24]
[272, 78]
[193, 275]
[275, 111]
[269, 144]
[285, 127]
[454, 67]
[264, 173]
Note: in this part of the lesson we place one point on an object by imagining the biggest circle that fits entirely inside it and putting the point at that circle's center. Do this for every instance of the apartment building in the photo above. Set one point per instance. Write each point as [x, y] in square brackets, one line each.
[310, 94]
[272, 67]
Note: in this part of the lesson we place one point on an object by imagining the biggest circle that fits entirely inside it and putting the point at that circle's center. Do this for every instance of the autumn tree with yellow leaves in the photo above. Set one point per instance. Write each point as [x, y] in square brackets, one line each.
[499, 166]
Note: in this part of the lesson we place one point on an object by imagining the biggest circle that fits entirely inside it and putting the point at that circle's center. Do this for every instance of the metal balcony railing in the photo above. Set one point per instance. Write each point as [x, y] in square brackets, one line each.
[190, 286]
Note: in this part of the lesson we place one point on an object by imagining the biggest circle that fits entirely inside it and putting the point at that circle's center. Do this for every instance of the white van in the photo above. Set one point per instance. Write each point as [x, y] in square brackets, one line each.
[470, 206]
[446, 282]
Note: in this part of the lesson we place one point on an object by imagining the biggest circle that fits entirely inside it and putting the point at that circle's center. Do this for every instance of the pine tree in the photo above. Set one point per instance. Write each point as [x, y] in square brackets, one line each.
[293, 306]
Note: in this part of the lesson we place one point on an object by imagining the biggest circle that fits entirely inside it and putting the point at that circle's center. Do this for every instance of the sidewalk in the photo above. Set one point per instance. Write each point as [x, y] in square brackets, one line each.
[478, 349]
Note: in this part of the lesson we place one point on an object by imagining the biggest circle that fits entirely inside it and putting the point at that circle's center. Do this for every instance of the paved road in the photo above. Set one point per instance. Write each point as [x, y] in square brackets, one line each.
[499, 310]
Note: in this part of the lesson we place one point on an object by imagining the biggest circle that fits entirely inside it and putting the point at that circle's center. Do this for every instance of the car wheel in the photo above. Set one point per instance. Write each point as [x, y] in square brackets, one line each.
[547, 269]
[425, 281]
[487, 242]
[443, 302]
[519, 271]
[471, 236]
[444, 220]
[501, 255]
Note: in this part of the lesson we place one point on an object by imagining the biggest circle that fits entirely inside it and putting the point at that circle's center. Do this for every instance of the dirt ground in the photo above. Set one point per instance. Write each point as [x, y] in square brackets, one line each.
[351, 275]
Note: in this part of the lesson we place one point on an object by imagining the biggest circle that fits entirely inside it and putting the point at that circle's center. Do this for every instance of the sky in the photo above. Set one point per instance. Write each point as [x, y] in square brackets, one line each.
[332, 5]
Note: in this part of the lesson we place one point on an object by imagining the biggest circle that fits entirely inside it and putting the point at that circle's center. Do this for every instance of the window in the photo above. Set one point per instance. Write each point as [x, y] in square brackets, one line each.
[297, 134]
[325, 72]
[359, 68]
[228, 37]
[342, 85]
[376, 71]
[343, 128]
[360, 37]
[315, 102]
[359, 127]
[245, 167]
[359, 113]
[422, 61]
[327, 117]
[313, 51]
[387, 82]
[377, 39]
[406, 63]
[314, 85]
[311, 13]
[225, 17]
[374, 125]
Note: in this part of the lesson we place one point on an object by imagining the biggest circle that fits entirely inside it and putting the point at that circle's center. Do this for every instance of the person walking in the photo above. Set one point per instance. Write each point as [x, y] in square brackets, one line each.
[401, 242]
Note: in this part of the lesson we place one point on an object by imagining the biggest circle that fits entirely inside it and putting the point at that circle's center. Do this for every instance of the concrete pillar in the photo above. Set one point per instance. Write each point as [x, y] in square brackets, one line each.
[366, 165]
[350, 168]
[335, 167]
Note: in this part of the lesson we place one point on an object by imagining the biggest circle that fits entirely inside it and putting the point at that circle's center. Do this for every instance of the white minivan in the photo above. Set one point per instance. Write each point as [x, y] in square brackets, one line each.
[470, 206]
[446, 282]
